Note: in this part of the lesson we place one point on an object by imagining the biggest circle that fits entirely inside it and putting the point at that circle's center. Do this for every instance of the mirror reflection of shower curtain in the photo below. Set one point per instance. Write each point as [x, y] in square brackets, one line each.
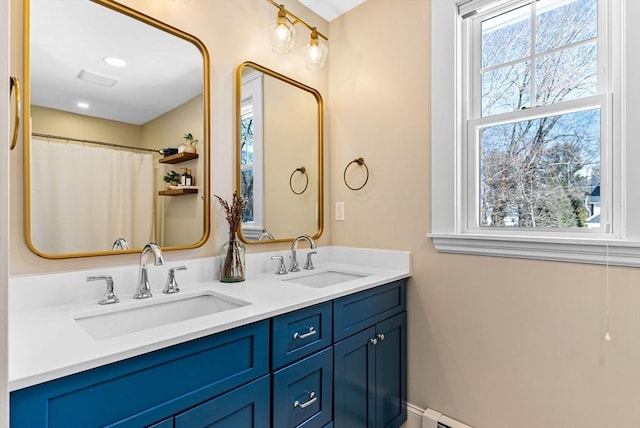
[158, 207]
[85, 197]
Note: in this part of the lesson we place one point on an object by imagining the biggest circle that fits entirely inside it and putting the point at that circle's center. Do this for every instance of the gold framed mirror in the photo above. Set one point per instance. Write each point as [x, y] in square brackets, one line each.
[101, 140]
[279, 152]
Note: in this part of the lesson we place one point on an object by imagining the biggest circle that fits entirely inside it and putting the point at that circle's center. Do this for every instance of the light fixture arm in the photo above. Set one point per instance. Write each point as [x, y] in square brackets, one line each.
[295, 20]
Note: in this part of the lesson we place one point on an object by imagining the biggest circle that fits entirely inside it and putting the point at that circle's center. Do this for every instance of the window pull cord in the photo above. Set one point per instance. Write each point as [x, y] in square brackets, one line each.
[607, 313]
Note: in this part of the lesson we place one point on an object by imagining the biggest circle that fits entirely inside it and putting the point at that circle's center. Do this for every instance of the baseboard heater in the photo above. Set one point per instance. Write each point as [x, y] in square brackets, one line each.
[434, 419]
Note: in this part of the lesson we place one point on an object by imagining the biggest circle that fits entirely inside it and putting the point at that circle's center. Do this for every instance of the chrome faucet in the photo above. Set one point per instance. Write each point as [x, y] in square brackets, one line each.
[120, 244]
[294, 260]
[265, 236]
[143, 291]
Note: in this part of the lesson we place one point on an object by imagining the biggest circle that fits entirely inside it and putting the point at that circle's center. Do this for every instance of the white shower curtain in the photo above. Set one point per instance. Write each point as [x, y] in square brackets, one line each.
[84, 197]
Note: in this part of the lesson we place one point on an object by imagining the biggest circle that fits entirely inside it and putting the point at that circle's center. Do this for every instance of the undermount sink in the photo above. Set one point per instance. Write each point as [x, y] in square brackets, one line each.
[325, 278]
[132, 319]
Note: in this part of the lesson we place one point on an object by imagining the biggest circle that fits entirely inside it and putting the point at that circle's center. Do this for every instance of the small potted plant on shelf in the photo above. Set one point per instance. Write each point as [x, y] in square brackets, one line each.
[172, 178]
[189, 146]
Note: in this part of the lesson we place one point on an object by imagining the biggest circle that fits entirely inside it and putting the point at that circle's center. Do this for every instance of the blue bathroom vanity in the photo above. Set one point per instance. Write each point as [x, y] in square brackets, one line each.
[333, 362]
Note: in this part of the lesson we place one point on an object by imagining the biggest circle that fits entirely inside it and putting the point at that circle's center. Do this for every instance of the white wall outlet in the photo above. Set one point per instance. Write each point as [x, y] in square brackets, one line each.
[339, 211]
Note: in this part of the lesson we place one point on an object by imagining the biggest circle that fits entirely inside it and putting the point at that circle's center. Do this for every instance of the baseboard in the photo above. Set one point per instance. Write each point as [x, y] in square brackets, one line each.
[429, 418]
[414, 417]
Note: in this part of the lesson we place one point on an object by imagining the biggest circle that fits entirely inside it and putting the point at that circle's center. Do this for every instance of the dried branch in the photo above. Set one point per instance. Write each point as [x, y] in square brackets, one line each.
[233, 212]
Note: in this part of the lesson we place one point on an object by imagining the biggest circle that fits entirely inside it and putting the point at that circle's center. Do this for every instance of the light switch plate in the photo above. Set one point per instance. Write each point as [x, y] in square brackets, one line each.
[339, 211]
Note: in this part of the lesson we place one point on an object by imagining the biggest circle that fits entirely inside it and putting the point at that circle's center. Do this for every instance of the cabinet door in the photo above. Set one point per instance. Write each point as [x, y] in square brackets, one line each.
[244, 407]
[391, 372]
[354, 372]
[370, 377]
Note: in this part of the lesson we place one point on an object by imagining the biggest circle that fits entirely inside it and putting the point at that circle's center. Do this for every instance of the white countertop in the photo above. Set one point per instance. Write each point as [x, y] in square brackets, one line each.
[45, 341]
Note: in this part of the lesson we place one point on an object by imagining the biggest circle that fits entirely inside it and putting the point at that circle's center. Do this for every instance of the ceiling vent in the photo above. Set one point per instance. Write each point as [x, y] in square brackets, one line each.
[96, 79]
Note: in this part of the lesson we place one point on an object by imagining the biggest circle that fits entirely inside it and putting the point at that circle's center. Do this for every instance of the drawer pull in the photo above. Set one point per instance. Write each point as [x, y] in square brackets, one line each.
[310, 333]
[312, 399]
[373, 341]
[381, 337]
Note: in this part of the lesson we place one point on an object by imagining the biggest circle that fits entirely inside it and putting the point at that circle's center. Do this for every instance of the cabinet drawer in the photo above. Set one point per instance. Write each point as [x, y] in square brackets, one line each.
[298, 334]
[356, 312]
[145, 389]
[246, 407]
[303, 392]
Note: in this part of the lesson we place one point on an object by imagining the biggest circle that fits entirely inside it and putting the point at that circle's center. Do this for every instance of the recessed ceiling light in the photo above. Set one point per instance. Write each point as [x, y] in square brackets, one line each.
[116, 62]
[82, 104]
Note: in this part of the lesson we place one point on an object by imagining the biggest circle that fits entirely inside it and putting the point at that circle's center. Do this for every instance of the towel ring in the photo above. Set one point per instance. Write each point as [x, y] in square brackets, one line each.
[360, 162]
[302, 170]
[13, 81]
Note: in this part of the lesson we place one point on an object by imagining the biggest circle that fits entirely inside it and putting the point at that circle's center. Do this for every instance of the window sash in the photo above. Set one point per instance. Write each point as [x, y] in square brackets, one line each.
[472, 180]
[472, 49]
[473, 120]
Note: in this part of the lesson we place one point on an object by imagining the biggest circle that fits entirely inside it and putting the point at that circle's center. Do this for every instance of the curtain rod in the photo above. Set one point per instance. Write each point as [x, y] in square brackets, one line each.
[100, 143]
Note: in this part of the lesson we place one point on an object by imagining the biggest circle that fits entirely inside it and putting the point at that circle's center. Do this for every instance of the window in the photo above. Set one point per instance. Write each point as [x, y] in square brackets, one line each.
[247, 160]
[529, 134]
[537, 109]
[251, 166]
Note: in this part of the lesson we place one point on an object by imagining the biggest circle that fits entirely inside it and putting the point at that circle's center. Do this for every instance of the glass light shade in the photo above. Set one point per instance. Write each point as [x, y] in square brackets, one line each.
[315, 54]
[282, 35]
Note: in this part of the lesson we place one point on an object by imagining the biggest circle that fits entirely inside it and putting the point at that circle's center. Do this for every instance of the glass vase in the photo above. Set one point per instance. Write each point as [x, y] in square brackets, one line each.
[232, 263]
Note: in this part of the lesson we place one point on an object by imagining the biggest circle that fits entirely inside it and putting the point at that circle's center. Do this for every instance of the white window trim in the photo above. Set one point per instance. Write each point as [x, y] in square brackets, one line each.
[253, 90]
[447, 162]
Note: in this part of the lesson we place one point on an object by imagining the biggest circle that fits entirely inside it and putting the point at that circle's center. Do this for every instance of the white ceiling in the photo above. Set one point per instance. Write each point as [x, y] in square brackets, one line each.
[331, 9]
[68, 36]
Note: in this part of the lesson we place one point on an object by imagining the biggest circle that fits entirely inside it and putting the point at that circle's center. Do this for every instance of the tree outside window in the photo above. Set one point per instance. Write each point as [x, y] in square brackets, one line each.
[537, 123]
[247, 162]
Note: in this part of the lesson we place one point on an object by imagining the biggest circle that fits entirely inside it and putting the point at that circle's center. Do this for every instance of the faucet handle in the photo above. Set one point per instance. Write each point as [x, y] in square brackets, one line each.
[110, 295]
[172, 285]
[308, 265]
[294, 262]
[281, 269]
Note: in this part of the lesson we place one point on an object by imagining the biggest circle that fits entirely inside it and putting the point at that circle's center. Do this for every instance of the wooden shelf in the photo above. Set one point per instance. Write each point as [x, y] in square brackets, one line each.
[177, 192]
[178, 157]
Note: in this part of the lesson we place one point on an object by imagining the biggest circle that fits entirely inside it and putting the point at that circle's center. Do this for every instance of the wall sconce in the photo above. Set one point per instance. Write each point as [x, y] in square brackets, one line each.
[282, 35]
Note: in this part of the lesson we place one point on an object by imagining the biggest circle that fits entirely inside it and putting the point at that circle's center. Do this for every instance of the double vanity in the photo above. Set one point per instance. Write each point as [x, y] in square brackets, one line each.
[316, 348]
